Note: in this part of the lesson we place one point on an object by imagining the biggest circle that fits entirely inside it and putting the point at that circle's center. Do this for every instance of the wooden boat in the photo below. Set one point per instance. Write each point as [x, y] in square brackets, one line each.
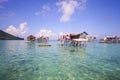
[44, 45]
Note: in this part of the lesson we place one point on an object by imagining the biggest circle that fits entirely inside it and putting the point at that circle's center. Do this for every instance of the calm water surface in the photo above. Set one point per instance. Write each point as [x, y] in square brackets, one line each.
[26, 61]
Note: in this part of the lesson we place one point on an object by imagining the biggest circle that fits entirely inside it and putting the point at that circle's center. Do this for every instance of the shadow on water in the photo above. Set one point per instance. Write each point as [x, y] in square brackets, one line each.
[31, 62]
[77, 51]
[72, 49]
[19, 72]
[30, 46]
[30, 43]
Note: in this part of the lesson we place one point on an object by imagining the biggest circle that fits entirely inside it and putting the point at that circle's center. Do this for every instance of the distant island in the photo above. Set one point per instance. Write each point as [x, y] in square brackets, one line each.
[6, 36]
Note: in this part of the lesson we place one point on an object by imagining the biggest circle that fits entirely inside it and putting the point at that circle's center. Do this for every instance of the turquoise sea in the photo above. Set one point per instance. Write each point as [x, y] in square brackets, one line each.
[27, 61]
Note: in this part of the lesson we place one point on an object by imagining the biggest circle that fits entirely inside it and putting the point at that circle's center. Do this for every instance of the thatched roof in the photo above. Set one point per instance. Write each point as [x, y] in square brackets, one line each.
[31, 38]
[78, 35]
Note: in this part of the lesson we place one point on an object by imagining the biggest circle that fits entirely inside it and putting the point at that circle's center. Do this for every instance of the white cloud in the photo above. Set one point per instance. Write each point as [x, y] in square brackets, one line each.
[7, 14]
[2, 1]
[44, 10]
[45, 33]
[68, 7]
[2, 7]
[1, 17]
[82, 4]
[20, 31]
[61, 33]
[10, 13]
[23, 28]
[12, 30]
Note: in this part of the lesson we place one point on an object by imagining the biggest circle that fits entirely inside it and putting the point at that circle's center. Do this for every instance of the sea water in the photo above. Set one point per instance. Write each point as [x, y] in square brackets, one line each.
[20, 60]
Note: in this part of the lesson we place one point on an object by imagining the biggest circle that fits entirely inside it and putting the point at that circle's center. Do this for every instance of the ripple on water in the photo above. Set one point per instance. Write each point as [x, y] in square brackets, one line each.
[27, 61]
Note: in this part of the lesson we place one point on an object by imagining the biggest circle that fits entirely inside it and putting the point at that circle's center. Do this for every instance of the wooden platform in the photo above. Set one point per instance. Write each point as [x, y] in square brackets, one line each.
[80, 40]
[44, 45]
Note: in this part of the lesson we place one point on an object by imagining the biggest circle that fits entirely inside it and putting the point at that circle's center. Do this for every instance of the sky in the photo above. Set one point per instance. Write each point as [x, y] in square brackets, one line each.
[51, 17]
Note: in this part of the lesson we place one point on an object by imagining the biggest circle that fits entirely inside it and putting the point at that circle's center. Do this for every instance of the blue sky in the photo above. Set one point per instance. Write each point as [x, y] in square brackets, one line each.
[97, 17]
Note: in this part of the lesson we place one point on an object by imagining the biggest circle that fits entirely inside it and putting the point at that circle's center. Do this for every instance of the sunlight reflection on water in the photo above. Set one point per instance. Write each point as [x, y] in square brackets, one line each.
[27, 61]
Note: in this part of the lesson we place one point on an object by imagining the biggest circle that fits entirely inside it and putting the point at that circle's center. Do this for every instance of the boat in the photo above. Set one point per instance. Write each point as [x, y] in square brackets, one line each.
[44, 45]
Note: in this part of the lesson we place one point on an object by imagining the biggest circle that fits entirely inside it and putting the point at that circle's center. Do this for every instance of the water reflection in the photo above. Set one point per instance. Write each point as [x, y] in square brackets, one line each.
[30, 44]
[27, 61]
[79, 52]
